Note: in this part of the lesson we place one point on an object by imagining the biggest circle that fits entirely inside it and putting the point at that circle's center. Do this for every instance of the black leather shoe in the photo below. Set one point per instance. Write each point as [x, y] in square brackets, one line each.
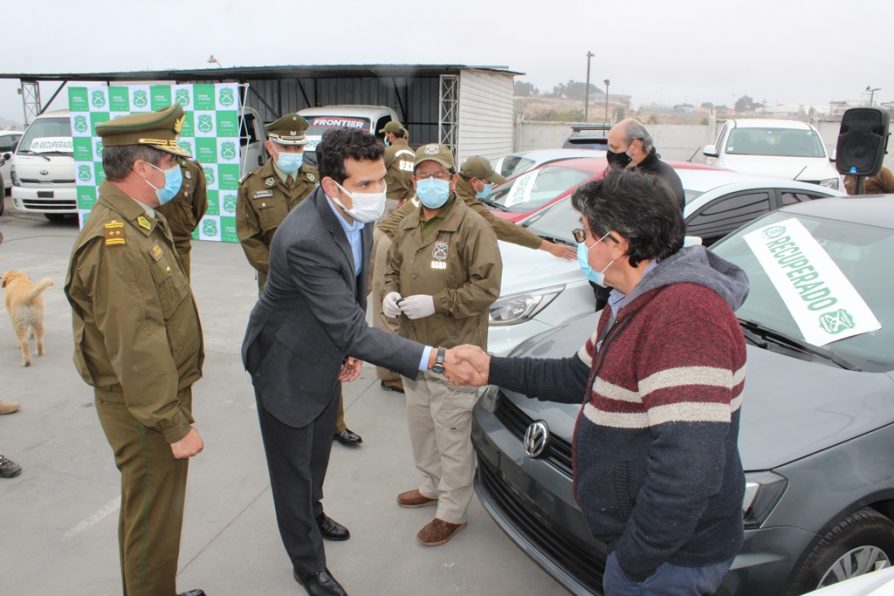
[348, 437]
[192, 593]
[331, 529]
[320, 583]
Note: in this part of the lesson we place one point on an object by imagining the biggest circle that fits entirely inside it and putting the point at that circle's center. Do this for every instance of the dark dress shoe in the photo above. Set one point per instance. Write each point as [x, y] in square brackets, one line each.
[349, 438]
[331, 529]
[192, 593]
[320, 583]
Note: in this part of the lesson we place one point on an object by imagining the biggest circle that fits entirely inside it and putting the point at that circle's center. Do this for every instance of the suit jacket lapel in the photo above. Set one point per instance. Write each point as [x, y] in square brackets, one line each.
[334, 228]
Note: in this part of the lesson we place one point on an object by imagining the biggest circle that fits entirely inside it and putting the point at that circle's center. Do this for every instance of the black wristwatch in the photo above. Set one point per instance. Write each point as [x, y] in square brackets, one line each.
[438, 366]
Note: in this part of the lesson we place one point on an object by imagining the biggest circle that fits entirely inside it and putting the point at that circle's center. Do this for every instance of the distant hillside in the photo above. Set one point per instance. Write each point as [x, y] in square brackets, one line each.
[7, 124]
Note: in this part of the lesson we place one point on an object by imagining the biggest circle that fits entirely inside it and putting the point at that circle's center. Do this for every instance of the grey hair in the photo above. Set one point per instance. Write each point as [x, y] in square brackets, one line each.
[118, 160]
[635, 130]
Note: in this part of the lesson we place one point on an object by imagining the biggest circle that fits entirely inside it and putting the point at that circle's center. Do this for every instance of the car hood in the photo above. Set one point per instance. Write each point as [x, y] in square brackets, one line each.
[525, 269]
[791, 408]
[805, 168]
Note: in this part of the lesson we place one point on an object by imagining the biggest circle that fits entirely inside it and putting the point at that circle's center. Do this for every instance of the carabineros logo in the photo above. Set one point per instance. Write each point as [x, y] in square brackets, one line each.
[206, 124]
[98, 99]
[209, 175]
[837, 321]
[80, 124]
[229, 203]
[228, 150]
[99, 149]
[209, 227]
[184, 145]
[84, 173]
[226, 97]
[182, 97]
[140, 98]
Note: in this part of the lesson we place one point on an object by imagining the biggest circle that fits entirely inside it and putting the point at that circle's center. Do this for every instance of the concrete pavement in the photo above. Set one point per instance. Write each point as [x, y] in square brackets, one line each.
[59, 517]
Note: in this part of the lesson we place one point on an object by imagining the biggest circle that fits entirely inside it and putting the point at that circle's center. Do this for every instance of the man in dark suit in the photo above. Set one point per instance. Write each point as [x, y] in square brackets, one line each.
[307, 334]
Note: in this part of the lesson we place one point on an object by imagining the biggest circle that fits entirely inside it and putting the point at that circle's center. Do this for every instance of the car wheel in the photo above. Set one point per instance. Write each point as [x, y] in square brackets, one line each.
[861, 543]
[54, 217]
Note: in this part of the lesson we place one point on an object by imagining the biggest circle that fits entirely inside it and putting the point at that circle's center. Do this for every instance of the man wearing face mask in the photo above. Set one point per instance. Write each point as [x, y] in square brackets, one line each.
[269, 193]
[630, 146]
[186, 209]
[138, 340]
[308, 334]
[442, 276]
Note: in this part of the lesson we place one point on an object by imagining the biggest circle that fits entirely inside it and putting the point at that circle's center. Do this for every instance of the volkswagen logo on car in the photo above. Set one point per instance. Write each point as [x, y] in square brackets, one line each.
[536, 438]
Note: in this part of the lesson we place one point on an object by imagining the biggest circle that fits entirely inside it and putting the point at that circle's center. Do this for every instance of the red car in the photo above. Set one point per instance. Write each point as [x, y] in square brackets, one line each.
[534, 189]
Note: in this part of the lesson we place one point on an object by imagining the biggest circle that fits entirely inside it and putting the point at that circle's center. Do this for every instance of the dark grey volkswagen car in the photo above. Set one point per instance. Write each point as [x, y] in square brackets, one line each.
[816, 438]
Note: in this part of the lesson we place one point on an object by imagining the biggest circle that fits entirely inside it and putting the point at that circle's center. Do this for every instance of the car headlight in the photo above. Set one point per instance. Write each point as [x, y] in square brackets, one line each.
[13, 177]
[762, 492]
[518, 308]
[830, 183]
[488, 396]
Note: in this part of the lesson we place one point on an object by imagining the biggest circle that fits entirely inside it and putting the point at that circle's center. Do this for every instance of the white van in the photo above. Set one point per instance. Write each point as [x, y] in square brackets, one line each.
[43, 169]
[372, 119]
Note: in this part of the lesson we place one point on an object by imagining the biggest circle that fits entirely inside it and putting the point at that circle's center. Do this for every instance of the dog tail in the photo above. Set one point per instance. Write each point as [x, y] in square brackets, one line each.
[37, 289]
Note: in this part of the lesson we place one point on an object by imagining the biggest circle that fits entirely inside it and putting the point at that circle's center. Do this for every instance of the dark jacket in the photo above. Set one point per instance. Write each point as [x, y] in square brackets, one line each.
[655, 166]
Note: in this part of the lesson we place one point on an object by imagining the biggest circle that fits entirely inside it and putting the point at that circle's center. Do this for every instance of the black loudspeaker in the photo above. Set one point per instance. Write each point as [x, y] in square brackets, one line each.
[862, 141]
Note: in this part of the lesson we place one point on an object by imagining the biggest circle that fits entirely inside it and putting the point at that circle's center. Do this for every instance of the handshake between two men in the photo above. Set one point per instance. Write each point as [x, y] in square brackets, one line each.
[467, 365]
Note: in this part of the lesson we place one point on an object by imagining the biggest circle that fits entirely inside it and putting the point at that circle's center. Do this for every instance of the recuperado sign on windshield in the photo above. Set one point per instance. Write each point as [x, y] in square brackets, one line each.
[822, 301]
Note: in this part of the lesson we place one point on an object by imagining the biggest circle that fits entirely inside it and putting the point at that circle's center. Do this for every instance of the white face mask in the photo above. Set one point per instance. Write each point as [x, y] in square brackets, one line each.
[368, 206]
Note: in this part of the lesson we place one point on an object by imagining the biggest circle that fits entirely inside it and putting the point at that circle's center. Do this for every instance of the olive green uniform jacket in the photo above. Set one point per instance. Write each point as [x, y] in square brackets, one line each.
[504, 229]
[458, 263]
[185, 211]
[136, 328]
[264, 201]
[399, 158]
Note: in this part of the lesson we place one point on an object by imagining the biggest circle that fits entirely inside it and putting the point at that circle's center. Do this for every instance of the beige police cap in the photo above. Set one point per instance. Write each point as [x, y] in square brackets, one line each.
[479, 167]
[437, 153]
[393, 126]
[157, 129]
[288, 130]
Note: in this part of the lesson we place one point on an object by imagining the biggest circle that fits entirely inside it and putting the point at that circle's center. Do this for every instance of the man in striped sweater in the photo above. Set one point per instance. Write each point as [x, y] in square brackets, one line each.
[656, 464]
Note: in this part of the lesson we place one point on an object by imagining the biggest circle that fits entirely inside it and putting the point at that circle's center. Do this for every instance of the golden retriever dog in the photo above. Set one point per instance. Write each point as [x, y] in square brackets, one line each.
[25, 307]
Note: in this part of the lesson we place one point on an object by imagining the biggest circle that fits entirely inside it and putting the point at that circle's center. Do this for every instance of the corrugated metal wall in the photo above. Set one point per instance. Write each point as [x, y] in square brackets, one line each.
[415, 99]
[486, 114]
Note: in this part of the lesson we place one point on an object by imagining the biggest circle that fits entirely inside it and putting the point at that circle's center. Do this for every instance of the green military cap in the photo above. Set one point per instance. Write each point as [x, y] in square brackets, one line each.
[288, 130]
[437, 153]
[393, 126]
[157, 129]
[478, 167]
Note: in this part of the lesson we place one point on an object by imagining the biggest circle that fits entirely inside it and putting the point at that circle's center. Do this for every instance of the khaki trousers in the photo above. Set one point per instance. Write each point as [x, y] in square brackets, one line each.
[153, 490]
[440, 420]
[381, 246]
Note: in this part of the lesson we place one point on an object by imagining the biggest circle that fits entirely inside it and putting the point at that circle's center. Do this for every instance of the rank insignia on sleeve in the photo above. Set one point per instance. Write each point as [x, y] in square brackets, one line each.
[155, 252]
[143, 222]
[114, 232]
[269, 182]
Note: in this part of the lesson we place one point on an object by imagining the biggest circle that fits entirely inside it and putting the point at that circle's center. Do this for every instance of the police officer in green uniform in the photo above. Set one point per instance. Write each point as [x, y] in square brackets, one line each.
[138, 341]
[399, 159]
[185, 211]
[269, 193]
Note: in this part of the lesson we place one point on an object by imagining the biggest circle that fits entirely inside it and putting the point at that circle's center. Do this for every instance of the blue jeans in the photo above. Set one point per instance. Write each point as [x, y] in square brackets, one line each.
[668, 580]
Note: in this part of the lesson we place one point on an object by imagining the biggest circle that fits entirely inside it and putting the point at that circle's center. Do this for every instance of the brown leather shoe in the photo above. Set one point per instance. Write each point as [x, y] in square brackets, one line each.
[396, 385]
[413, 499]
[437, 531]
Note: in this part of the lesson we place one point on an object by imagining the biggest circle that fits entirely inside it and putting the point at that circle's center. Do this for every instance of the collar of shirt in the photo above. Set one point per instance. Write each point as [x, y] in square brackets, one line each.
[615, 296]
[352, 231]
[149, 210]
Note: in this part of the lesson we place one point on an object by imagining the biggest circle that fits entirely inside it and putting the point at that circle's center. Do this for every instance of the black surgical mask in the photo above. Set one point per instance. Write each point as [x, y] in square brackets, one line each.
[617, 160]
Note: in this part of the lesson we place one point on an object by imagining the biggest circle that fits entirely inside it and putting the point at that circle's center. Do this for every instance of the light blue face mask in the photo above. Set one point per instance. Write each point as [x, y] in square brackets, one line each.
[173, 181]
[597, 277]
[433, 193]
[485, 192]
[289, 163]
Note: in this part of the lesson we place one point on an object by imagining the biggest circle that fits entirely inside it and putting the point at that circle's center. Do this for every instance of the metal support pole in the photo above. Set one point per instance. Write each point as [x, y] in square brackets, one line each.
[587, 89]
[606, 81]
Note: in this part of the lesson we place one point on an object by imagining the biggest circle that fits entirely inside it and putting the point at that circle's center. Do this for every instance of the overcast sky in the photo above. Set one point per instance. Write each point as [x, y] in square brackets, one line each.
[655, 50]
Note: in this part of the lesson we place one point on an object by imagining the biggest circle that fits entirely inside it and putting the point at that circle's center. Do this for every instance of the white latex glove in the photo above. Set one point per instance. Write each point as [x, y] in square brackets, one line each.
[418, 306]
[389, 304]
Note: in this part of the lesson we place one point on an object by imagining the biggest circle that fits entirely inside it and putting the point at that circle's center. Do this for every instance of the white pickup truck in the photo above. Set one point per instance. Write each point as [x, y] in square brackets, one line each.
[43, 168]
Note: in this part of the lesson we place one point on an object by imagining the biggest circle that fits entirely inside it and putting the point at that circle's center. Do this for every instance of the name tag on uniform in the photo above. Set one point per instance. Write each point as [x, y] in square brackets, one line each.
[438, 264]
[263, 194]
[439, 255]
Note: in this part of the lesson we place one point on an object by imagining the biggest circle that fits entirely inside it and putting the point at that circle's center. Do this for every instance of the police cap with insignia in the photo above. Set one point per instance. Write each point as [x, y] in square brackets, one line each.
[288, 130]
[478, 167]
[393, 126]
[437, 153]
[157, 129]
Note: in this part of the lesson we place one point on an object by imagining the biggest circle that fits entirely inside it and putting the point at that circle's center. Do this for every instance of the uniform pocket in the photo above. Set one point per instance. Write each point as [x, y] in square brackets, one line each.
[171, 286]
[271, 211]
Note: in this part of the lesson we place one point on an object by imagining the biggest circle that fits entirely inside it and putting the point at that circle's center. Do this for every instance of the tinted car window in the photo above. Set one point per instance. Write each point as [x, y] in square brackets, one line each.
[790, 197]
[43, 128]
[514, 164]
[783, 142]
[538, 187]
[8, 142]
[556, 221]
[722, 216]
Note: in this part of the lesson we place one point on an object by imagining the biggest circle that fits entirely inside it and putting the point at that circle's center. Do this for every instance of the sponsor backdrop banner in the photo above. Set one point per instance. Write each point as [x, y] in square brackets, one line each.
[210, 133]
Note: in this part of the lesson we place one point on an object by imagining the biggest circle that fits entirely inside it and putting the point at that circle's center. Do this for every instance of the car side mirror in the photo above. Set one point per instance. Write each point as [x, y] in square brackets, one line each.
[710, 151]
[834, 155]
[6, 156]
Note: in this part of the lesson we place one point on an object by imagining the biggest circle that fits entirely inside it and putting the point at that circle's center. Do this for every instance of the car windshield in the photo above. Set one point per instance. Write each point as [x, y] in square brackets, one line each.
[781, 142]
[47, 135]
[861, 252]
[538, 187]
[515, 164]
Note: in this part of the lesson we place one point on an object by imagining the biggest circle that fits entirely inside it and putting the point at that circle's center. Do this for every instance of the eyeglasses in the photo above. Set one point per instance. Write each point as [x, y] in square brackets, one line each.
[438, 176]
[580, 235]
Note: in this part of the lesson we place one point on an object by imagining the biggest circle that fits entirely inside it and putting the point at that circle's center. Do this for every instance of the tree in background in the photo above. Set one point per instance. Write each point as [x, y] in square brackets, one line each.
[746, 104]
[525, 89]
[575, 90]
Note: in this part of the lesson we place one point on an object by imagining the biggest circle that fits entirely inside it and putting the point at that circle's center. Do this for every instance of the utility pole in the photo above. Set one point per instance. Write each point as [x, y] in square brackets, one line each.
[606, 81]
[872, 93]
[587, 90]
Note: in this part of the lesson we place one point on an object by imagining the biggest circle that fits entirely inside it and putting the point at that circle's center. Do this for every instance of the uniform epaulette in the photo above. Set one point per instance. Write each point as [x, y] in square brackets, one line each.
[114, 232]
